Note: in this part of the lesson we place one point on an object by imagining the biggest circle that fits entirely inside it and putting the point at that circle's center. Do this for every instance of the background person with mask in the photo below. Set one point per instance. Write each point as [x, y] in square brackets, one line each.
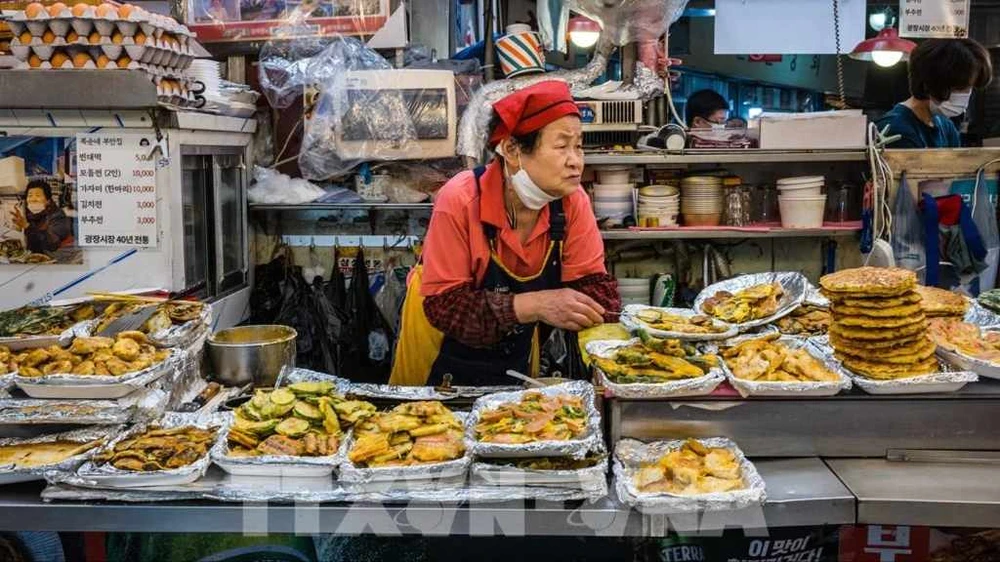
[46, 227]
[706, 109]
[943, 73]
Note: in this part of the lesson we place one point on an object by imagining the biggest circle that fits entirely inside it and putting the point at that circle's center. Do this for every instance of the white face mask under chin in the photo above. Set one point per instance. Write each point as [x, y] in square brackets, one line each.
[956, 104]
[527, 190]
[36, 208]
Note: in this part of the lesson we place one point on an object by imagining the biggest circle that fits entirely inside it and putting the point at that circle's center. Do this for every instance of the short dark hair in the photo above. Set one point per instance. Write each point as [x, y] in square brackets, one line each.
[704, 103]
[527, 141]
[39, 184]
[940, 66]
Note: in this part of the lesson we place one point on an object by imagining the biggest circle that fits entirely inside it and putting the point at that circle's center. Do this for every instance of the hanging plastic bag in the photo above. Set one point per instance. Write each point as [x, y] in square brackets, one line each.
[984, 215]
[369, 356]
[907, 230]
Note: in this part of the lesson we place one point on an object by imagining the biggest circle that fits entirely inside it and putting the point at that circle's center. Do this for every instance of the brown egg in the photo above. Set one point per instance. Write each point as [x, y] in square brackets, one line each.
[55, 10]
[103, 61]
[106, 10]
[81, 59]
[72, 37]
[125, 10]
[80, 9]
[117, 38]
[58, 60]
[94, 38]
[124, 62]
[34, 61]
[48, 37]
[139, 38]
[34, 10]
[25, 38]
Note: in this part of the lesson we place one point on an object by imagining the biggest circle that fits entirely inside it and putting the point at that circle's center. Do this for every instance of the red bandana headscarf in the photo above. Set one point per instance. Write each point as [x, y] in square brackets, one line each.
[532, 108]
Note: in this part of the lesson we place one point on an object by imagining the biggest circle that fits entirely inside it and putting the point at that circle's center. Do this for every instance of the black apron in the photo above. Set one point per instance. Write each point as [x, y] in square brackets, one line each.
[471, 366]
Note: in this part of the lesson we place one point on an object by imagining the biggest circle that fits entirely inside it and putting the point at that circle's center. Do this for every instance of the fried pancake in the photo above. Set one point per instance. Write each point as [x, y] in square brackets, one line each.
[881, 334]
[906, 310]
[874, 281]
[872, 302]
[870, 322]
[906, 355]
[883, 371]
[875, 346]
[941, 302]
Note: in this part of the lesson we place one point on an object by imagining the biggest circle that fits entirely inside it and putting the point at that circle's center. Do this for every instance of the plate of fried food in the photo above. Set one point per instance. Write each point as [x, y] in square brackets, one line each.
[298, 430]
[558, 421]
[806, 320]
[782, 366]
[753, 300]
[686, 475]
[879, 333]
[173, 452]
[90, 367]
[588, 473]
[172, 324]
[40, 326]
[421, 440]
[649, 367]
[967, 346]
[677, 323]
[27, 459]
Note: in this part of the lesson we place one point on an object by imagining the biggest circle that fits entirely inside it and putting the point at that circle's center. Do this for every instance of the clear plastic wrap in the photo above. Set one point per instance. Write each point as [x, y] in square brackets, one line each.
[356, 109]
[631, 454]
[576, 448]
[10, 474]
[630, 321]
[794, 284]
[273, 187]
[631, 21]
[698, 386]
[807, 388]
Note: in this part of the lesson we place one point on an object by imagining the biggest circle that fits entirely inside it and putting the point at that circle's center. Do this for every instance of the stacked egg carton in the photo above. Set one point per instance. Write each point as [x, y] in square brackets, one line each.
[106, 36]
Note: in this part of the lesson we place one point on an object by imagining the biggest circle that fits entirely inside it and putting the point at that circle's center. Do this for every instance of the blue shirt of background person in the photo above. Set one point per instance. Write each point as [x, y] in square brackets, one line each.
[943, 73]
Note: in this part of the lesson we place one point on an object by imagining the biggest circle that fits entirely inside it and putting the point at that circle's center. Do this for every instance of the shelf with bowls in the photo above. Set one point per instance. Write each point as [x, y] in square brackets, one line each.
[733, 233]
[712, 156]
[342, 207]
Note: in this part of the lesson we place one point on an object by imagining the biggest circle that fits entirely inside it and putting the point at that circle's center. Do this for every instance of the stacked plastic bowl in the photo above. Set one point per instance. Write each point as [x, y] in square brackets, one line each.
[659, 205]
[701, 200]
[613, 195]
[801, 201]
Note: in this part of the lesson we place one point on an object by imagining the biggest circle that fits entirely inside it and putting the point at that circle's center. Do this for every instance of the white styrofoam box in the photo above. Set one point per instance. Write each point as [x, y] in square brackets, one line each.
[12, 178]
[844, 129]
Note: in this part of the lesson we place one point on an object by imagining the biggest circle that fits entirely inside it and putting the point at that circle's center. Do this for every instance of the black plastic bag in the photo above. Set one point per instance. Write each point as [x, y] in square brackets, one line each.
[369, 356]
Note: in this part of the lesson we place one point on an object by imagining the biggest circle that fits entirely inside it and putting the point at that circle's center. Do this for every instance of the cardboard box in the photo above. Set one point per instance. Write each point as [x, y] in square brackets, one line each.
[814, 131]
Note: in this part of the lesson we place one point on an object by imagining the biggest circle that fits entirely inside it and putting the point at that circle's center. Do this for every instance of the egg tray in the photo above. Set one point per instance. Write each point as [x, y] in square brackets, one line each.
[158, 56]
[83, 22]
[93, 53]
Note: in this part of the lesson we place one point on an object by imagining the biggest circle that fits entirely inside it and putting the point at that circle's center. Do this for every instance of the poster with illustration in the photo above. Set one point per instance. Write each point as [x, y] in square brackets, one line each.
[37, 202]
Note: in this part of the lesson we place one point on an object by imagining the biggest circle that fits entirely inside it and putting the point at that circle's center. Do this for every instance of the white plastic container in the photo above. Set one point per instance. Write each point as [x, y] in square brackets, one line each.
[801, 189]
[802, 212]
[614, 174]
[614, 188]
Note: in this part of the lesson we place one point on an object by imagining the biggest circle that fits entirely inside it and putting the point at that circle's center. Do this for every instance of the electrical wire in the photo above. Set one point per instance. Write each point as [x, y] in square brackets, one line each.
[881, 179]
[975, 189]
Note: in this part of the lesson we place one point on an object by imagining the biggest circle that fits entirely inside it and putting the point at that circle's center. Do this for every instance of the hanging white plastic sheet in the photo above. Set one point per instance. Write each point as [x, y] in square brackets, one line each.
[792, 27]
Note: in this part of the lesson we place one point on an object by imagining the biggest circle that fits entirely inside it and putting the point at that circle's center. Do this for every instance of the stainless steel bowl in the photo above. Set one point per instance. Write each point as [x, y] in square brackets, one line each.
[251, 354]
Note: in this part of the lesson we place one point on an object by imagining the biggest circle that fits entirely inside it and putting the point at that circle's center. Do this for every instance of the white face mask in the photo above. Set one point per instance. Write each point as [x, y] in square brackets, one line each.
[527, 190]
[718, 126]
[955, 105]
[36, 208]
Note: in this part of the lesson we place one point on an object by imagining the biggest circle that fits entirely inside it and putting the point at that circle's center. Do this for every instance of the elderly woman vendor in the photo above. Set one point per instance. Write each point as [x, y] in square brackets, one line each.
[512, 251]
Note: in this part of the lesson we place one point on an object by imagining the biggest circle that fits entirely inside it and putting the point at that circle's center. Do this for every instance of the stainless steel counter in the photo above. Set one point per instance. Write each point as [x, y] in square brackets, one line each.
[923, 493]
[800, 492]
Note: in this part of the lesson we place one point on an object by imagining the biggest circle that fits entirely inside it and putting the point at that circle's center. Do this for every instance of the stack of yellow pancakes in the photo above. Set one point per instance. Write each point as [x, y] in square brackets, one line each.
[941, 302]
[879, 327]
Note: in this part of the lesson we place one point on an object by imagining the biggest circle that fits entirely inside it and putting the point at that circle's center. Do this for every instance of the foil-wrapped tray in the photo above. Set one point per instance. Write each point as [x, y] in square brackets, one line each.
[407, 393]
[457, 468]
[18, 343]
[10, 474]
[178, 335]
[145, 404]
[499, 472]
[794, 284]
[630, 320]
[67, 379]
[275, 465]
[980, 315]
[981, 367]
[815, 297]
[698, 386]
[576, 448]
[77, 387]
[631, 454]
[292, 376]
[948, 379]
[781, 388]
[93, 476]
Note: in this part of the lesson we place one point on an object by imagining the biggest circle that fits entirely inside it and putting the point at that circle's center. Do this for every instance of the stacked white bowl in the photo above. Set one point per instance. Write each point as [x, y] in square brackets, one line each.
[634, 290]
[613, 195]
[701, 200]
[659, 205]
[801, 201]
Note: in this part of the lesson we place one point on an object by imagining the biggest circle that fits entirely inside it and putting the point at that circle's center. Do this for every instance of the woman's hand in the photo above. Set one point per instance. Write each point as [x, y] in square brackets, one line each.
[559, 308]
[18, 219]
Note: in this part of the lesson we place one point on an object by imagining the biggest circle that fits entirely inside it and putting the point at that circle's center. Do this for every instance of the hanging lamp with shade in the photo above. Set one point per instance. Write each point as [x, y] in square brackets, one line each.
[885, 49]
[583, 31]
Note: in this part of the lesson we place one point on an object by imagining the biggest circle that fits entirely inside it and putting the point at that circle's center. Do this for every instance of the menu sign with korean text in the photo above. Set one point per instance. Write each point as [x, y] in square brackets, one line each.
[116, 189]
[934, 18]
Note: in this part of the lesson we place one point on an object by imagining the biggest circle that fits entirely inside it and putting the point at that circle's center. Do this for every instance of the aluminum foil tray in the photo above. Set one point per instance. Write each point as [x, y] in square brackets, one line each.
[275, 465]
[10, 474]
[630, 321]
[698, 386]
[780, 388]
[794, 284]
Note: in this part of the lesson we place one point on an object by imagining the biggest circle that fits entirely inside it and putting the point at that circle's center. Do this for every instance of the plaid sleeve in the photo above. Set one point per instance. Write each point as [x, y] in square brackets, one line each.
[475, 318]
[603, 288]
